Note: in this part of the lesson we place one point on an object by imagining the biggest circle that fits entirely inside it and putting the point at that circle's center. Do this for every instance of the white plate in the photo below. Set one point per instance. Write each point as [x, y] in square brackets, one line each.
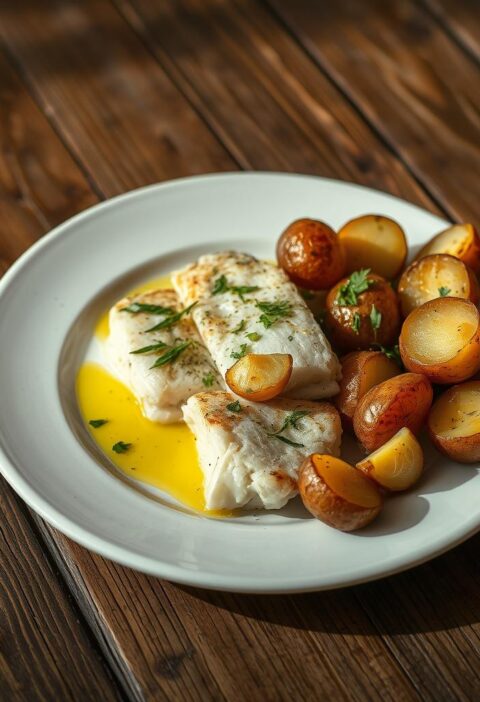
[49, 301]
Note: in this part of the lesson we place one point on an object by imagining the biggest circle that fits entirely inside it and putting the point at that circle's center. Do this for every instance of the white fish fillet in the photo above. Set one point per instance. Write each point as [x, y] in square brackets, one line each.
[224, 320]
[245, 467]
[160, 391]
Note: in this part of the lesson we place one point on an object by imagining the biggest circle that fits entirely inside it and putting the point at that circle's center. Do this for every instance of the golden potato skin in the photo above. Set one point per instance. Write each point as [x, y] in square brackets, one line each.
[459, 240]
[402, 401]
[311, 255]
[328, 507]
[356, 366]
[463, 449]
[339, 318]
[454, 370]
[411, 278]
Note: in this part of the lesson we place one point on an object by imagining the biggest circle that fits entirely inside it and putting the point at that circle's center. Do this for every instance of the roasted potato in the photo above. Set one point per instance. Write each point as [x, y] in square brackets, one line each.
[459, 240]
[398, 464]
[358, 320]
[375, 242]
[361, 370]
[454, 422]
[441, 339]
[260, 377]
[438, 275]
[311, 255]
[337, 493]
[401, 401]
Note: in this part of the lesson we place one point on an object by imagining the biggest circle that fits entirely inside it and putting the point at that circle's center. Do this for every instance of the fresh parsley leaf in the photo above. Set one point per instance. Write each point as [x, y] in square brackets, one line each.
[356, 321]
[208, 379]
[393, 353]
[221, 285]
[443, 291]
[171, 355]
[234, 407]
[375, 318]
[120, 447]
[355, 286]
[254, 336]
[273, 311]
[171, 319]
[287, 441]
[158, 346]
[96, 423]
[240, 327]
[240, 353]
[136, 307]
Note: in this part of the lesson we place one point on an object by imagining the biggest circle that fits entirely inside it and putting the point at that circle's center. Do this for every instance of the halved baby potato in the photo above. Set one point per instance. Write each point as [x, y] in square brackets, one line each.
[260, 377]
[401, 401]
[441, 339]
[361, 370]
[310, 253]
[454, 422]
[375, 242]
[438, 275]
[398, 464]
[337, 493]
[459, 240]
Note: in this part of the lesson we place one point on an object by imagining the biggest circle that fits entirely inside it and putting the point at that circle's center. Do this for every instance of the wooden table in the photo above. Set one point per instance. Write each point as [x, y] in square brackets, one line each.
[101, 96]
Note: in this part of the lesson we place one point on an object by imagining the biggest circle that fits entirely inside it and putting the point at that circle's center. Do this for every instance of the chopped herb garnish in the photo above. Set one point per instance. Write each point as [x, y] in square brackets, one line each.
[137, 307]
[393, 353]
[355, 285]
[291, 420]
[307, 294]
[208, 379]
[290, 338]
[273, 311]
[171, 355]
[240, 353]
[96, 423]
[375, 318]
[443, 291]
[234, 407]
[171, 319]
[254, 336]
[121, 447]
[221, 285]
[158, 346]
[356, 321]
[286, 441]
[240, 327]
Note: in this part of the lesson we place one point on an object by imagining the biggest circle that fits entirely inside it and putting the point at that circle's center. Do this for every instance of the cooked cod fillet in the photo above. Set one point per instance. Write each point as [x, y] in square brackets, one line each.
[160, 391]
[250, 306]
[243, 464]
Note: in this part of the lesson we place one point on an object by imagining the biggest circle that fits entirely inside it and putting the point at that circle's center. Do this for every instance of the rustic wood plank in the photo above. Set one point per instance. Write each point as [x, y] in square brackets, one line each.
[260, 91]
[461, 20]
[413, 83]
[46, 652]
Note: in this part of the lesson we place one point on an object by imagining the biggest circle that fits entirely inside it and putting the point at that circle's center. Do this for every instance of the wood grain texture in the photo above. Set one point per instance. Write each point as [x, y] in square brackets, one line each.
[414, 84]
[400, 639]
[45, 652]
[461, 20]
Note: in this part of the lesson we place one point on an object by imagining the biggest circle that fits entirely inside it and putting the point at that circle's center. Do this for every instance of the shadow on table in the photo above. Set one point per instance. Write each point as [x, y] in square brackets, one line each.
[440, 595]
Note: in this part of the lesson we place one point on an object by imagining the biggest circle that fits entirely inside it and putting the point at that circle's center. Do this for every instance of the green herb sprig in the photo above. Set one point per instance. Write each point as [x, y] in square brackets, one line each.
[171, 355]
[158, 346]
[240, 353]
[136, 307]
[234, 407]
[171, 319]
[208, 379]
[121, 447]
[356, 321]
[375, 318]
[291, 420]
[272, 312]
[221, 285]
[357, 283]
[96, 423]
[444, 291]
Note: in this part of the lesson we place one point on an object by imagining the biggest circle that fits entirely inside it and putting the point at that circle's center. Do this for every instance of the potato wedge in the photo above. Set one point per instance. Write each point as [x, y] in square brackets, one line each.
[374, 317]
[375, 242]
[310, 253]
[337, 493]
[260, 377]
[361, 370]
[438, 275]
[459, 240]
[441, 339]
[401, 401]
[398, 464]
[454, 422]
